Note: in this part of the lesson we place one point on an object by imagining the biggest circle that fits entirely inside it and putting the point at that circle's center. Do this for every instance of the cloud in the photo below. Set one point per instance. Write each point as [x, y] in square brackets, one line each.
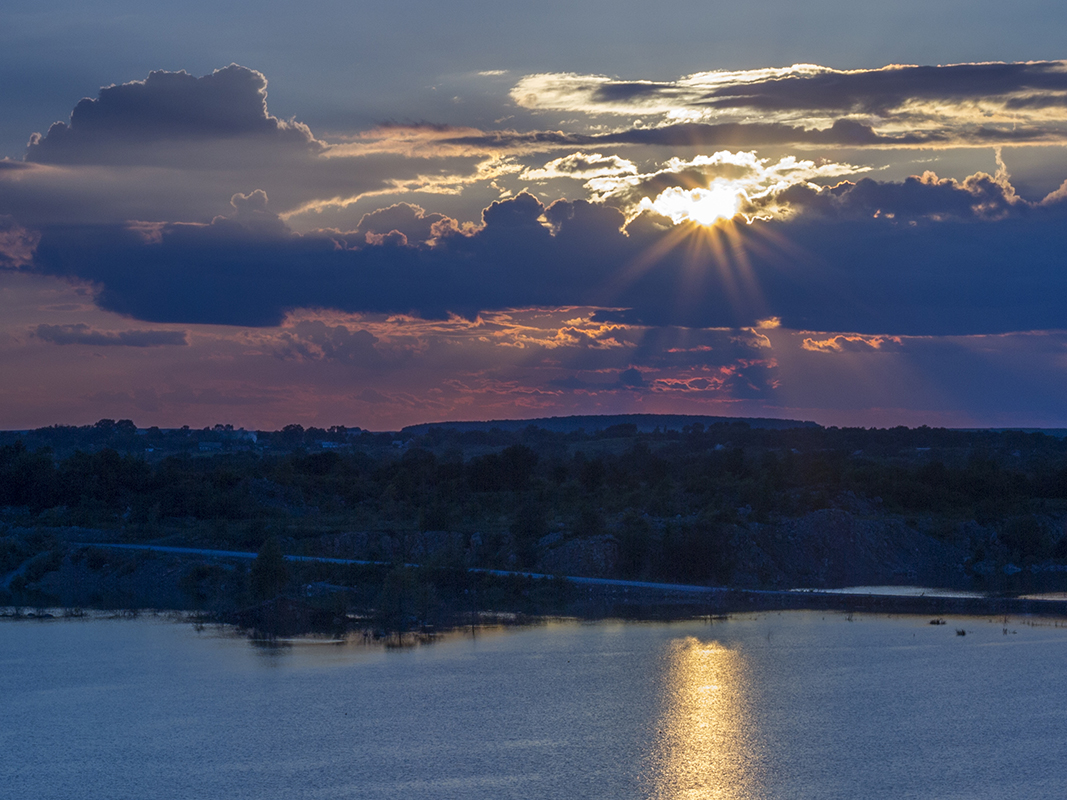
[740, 174]
[235, 269]
[83, 334]
[411, 221]
[16, 244]
[923, 256]
[204, 240]
[440, 141]
[314, 340]
[742, 380]
[175, 147]
[924, 197]
[416, 140]
[904, 105]
[581, 166]
[886, 91]
[840, 132]
[167, 108]
[841, 343]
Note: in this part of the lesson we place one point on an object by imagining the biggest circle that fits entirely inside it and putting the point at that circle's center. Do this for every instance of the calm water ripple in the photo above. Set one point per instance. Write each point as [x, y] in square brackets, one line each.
[790, 705]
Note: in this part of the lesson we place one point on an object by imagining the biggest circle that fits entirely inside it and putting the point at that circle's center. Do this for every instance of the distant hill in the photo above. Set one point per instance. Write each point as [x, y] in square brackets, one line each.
[646, 423]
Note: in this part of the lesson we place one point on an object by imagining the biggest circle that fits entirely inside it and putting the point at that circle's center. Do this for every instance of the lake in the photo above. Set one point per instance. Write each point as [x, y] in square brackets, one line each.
[783, 705]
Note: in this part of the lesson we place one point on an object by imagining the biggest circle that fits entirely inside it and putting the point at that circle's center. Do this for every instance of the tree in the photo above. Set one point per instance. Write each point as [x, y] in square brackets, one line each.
[269, 573]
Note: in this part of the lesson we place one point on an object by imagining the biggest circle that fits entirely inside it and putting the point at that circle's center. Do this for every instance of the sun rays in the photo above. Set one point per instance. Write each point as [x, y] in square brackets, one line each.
[707, 248]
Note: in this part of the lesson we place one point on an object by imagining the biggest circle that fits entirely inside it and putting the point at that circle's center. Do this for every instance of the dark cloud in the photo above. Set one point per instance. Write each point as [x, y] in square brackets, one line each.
[845, 133]
[224, 272]
[917, 198]
[725, 376]
[808, 88]
[314, 340]
[840, 133]
[883, 91]
[167, 107]
[894, 105]
[922, 257]
[622, 316]
[416, 226]
[83, 334]
[673, 347]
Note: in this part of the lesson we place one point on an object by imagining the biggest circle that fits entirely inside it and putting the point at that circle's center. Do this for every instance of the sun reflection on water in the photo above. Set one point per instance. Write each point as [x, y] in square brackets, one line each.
[704, 748]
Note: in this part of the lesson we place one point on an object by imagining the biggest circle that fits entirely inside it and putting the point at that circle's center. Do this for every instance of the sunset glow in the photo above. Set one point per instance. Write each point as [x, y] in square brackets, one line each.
[498, 228]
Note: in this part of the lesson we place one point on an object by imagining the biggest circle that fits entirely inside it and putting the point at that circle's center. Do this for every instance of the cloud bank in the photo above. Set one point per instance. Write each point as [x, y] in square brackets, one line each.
[925, 256]
[897, 104]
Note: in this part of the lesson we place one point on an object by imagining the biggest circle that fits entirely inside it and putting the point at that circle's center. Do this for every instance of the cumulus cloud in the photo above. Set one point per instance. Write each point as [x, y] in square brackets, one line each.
[167, 108]
[412, 222]
[81, 333]
[175, 147]
[924, 197]
[976, 260]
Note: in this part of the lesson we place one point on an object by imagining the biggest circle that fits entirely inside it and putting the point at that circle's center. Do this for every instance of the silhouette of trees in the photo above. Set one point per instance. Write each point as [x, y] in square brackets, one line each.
[672, 500]
[270, 573]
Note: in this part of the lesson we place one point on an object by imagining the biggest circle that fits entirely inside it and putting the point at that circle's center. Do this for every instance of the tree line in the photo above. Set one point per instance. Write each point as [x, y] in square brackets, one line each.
[669, 498]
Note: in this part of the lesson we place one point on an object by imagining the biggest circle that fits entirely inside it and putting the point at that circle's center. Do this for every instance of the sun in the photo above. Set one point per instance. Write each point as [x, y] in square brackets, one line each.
[720, 201]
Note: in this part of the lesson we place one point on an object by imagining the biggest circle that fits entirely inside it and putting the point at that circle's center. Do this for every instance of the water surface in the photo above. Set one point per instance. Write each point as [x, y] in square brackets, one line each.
[783, 705]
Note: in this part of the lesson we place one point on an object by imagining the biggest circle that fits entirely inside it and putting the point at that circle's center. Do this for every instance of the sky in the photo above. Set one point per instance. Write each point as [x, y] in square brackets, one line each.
[377, 215]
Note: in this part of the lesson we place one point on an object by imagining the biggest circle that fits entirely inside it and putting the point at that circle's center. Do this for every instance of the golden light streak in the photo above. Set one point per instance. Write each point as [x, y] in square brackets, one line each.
[839, 342]
[717, 251]
[705, 749]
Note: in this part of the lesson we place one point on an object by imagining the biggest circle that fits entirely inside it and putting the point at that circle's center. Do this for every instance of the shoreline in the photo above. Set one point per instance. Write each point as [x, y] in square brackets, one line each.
[604, 605]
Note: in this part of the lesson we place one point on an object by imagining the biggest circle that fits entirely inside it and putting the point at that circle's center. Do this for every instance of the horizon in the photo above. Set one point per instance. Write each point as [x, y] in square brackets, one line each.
[840, 215]
[475, 423]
